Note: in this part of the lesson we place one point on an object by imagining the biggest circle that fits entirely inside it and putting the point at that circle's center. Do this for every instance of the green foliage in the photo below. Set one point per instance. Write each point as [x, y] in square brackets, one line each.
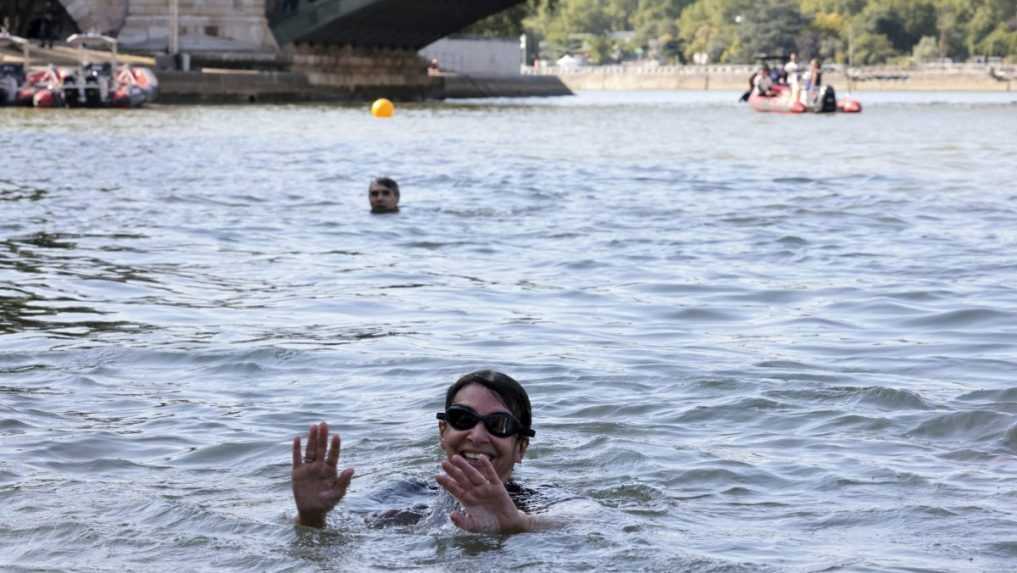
[872, 48]
[925, 50]
[866, 31]
[599, 49]
[770, 29]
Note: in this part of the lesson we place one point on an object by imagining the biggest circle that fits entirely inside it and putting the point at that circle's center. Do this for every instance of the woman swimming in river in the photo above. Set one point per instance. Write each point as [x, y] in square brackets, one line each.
[484, 432]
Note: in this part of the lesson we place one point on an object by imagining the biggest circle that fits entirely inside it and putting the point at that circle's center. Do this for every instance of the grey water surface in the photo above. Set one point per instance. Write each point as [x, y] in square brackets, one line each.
[753, 342]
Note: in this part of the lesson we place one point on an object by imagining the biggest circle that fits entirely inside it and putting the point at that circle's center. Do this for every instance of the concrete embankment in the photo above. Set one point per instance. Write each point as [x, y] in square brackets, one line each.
[229, 86]
[473, 86]
[734, 78]
[234, 87]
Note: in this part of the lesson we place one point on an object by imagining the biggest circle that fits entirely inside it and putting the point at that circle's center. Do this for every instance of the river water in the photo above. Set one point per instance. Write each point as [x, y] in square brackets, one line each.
[753, 342]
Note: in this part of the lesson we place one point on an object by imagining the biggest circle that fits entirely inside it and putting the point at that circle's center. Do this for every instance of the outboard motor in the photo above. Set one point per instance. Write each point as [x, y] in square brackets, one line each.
[71, 93]
[11, 78]
[98, 78]
[828, 102]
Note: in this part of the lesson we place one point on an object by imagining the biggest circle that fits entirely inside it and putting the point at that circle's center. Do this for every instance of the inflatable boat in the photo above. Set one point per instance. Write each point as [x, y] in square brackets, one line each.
[106, 84]
[823, 100]
[42, 88]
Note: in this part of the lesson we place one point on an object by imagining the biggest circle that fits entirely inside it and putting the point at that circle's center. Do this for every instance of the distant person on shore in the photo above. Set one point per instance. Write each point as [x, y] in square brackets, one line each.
[484, 431]
[433, 69]
[383, 193]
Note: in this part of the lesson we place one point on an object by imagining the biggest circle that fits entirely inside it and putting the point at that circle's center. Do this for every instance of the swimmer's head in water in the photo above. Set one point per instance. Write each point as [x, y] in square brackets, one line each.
[511, 393]
[487, 414]
[383, 193]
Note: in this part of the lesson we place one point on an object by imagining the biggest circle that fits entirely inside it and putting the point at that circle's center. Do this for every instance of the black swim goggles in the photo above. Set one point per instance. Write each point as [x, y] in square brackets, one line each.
[501, 424]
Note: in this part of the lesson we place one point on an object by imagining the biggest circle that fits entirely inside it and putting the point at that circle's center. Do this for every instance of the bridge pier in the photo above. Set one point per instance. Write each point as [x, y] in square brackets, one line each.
[363, 73]
[342, 49]
[206, 26]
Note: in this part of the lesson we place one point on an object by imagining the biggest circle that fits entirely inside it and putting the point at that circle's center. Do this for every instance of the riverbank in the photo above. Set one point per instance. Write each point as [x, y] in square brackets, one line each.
[232, 86]
[307, 74]
[958, 77]
[344, 75]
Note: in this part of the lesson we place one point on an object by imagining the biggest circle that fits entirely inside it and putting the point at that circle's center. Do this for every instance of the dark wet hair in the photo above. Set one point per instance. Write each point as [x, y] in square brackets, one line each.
[504, 386]
[388, 183]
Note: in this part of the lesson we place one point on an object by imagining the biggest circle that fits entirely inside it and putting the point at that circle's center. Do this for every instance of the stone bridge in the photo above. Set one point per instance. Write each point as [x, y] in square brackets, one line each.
[267, 26]
[351, 49]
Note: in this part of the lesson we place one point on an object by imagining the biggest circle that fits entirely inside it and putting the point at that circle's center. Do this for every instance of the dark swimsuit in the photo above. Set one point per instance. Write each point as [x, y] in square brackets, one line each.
[419, 496]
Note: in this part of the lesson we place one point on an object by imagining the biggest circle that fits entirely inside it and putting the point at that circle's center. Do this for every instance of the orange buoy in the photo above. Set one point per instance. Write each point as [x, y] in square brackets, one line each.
[382, 108]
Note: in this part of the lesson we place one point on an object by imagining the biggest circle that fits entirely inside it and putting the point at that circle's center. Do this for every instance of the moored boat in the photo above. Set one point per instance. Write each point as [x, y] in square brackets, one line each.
[106, 84]
[42, 88]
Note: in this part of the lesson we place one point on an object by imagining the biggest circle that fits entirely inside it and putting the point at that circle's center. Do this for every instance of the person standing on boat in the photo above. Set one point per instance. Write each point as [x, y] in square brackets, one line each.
[812, 81]
[791, 72]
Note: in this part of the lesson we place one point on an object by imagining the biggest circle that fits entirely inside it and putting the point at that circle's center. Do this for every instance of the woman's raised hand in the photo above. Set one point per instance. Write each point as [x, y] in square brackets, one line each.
[487, 507]
[317, 484]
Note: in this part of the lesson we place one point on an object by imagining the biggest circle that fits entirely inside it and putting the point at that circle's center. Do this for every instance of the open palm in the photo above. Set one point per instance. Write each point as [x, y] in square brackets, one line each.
[487, 507]
[317, 483]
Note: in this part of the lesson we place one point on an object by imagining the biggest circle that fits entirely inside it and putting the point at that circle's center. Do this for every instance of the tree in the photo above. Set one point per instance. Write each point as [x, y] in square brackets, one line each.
[772, 28]
[872, 48]
[925, 50]
[874, 31]
[656, 25]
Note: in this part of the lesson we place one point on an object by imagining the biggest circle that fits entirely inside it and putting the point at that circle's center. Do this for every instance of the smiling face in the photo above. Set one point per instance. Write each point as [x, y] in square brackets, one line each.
[477, 442]
[383, 199]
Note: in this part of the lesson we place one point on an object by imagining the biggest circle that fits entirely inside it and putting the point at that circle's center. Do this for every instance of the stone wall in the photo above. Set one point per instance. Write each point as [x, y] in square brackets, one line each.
[235, 87]
[398, 74]
[103, 16]
[456, 86]
[204, 25]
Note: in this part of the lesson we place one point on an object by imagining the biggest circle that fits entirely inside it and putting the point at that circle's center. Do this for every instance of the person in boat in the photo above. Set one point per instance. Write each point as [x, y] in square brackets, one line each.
[791, 68]
[752, 86]
[383, 193]
[812, 81]
[792, 75]
[763, 83]
[484, 431]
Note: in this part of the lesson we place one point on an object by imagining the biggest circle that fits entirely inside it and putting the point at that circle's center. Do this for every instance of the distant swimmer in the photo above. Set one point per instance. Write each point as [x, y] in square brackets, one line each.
[383, 193]
[484, 432]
